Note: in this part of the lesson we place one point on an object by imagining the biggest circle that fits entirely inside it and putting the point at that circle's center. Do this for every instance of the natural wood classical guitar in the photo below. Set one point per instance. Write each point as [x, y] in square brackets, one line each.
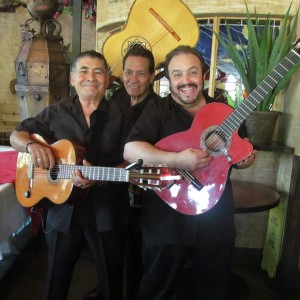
[33, 183]
[159, 25]
[215, 129]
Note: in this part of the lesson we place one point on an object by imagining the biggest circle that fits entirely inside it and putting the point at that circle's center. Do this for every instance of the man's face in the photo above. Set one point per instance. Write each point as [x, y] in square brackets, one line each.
[136, 76]
[90, 78]
[186, 79]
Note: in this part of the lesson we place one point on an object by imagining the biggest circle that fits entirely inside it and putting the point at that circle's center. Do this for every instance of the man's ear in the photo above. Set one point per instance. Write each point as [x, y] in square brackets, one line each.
[107, 84]
[152, 77]
[72, 79]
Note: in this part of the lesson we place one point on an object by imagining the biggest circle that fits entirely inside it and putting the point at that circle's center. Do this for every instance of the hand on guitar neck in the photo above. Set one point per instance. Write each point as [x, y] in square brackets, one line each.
[79, 180]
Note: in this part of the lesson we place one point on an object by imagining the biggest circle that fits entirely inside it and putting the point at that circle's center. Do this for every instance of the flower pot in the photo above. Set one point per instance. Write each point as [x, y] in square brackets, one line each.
[260, 126]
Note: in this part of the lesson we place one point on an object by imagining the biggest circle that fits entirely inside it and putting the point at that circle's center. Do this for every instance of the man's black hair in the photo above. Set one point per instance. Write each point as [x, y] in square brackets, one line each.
[139, 50]
[91, 54]
[183, 49]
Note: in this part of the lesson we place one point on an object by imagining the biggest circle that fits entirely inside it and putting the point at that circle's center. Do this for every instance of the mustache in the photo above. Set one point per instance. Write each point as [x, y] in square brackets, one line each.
[181, 86]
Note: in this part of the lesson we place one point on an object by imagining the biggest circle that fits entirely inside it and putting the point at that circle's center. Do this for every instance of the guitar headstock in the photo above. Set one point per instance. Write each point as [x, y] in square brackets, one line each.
[297, 46]
[153, 177]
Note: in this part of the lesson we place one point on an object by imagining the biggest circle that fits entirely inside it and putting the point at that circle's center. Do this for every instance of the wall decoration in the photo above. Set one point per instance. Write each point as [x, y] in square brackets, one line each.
[89, 8]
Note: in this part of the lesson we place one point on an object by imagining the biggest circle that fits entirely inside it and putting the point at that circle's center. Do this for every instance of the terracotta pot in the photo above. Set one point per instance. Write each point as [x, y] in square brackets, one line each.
[260, 126]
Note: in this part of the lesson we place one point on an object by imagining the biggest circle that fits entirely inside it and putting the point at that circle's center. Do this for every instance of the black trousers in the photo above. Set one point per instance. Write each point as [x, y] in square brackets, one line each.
[134, 267]
[208, 272]
[107, 249]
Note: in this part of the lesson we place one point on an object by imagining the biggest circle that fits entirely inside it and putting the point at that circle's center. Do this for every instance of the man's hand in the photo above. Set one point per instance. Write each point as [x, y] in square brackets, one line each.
[79, 180]
[41, 156]
[246, 163]
[192, 159]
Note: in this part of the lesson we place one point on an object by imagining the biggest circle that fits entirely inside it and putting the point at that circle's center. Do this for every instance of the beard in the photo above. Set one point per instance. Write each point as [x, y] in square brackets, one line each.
[188, 100]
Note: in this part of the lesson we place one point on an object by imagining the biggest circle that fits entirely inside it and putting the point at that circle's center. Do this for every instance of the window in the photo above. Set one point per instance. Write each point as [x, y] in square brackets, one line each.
[223, 80]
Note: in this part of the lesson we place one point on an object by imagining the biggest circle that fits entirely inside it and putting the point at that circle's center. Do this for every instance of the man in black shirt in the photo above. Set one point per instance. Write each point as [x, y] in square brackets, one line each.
[170, 237]
[137, 91]
[100, 217]
[138, 76]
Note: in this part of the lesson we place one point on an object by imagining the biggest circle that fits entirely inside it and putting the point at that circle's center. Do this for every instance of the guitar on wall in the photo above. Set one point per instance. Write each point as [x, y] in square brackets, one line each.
[33, 183]
[215, 129]
[158, 25]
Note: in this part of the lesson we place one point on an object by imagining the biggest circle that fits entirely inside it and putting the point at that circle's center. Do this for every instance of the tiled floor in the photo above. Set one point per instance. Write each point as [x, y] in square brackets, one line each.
[22, 276]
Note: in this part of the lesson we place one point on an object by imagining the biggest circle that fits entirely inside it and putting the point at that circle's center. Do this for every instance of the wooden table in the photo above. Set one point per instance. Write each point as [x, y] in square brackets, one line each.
[253, 197]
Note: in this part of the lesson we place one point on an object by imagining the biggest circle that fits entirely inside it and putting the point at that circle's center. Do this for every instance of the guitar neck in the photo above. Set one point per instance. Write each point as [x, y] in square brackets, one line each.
[64, 171]
[239, 115]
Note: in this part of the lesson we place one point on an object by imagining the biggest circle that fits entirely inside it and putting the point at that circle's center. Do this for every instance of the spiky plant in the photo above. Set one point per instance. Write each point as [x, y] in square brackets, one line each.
[264, 51]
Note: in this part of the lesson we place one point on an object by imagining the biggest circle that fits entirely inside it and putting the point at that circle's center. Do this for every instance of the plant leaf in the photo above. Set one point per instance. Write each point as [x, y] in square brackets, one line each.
[264, 51]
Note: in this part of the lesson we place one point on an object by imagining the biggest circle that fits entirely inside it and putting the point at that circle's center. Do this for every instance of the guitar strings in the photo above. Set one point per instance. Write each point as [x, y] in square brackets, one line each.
[147, 176]
[64, 171]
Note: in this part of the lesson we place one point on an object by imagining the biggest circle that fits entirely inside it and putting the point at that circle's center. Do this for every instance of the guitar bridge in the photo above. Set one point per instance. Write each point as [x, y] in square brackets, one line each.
[164, 23]
[227, 156]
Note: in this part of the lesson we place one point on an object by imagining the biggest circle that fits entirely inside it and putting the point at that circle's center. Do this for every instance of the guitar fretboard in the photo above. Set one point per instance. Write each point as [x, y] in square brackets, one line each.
[64, 171]
[239, 115]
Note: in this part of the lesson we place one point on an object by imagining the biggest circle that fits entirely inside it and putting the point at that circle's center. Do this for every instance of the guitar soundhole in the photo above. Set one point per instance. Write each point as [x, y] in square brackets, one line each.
[214, 143]
[133, 40]
[53, 174]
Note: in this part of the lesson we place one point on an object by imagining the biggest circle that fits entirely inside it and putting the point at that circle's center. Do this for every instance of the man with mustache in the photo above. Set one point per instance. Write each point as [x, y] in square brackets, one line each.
[170, 237]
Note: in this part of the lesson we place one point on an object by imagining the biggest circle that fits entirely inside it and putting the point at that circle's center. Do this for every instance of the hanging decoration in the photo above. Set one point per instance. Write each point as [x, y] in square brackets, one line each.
[89, 8]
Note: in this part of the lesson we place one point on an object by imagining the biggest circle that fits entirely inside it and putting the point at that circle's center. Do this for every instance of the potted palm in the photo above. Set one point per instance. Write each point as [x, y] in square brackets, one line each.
[266, 49]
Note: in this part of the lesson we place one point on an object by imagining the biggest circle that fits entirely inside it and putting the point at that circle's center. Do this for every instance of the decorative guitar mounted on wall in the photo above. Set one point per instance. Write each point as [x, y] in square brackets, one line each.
[159, 25]
[215, 129]
[33, 183]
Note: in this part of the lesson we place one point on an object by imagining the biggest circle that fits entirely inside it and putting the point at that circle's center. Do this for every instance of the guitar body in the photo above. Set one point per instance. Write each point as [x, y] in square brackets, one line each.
[182, 195]
[31, 190]
[159, 25]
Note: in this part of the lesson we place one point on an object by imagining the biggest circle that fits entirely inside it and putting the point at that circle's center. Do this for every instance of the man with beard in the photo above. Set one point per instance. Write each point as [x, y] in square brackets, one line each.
[170, 237]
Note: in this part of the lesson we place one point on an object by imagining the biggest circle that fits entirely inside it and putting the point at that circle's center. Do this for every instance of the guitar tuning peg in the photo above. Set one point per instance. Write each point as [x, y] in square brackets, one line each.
[135, 165]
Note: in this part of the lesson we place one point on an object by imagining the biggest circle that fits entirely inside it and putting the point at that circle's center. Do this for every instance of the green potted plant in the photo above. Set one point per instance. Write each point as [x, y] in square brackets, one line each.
[266, 48]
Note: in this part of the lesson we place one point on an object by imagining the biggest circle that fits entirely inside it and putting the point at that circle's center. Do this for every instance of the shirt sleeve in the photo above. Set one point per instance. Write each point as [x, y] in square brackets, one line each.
[38, 124]
[147, 127]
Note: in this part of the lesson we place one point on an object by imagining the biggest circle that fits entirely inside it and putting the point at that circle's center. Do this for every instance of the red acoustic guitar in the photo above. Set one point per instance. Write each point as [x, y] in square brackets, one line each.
[33, 183]
[215, 129]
